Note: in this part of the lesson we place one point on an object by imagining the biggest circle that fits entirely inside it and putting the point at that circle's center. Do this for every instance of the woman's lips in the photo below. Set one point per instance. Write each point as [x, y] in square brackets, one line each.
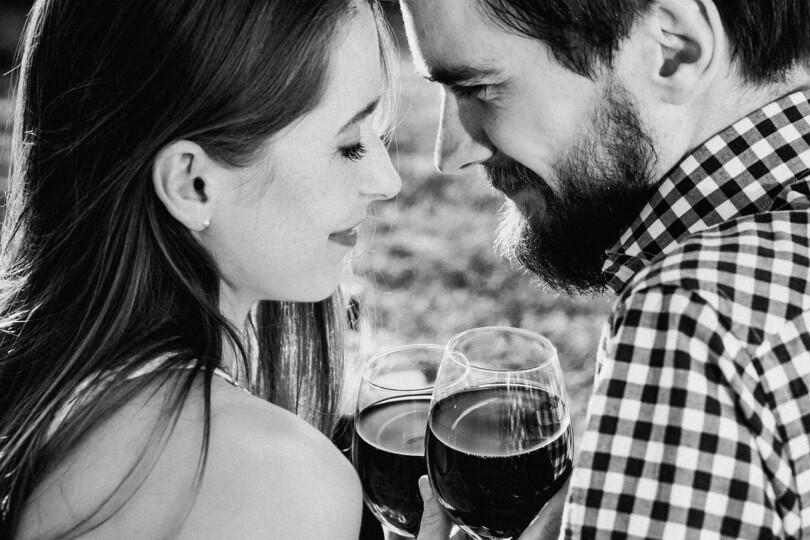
[346, 238]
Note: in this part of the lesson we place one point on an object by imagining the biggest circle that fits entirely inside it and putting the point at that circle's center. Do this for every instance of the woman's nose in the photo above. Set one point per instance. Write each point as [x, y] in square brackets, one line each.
[382, 180]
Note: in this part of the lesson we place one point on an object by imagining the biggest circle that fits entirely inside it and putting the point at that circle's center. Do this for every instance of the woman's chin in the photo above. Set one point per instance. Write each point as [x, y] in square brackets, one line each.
[316, 293]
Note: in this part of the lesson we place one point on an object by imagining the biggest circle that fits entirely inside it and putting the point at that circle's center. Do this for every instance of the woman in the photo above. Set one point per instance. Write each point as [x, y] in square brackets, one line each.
[176, 162]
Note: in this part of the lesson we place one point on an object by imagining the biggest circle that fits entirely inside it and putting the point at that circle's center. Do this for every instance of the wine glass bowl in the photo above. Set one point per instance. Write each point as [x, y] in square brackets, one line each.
[499, 442]
[390, 424]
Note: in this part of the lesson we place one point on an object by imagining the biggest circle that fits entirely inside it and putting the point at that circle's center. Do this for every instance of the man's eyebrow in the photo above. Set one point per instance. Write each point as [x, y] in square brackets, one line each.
[451, 76]
[362, 115]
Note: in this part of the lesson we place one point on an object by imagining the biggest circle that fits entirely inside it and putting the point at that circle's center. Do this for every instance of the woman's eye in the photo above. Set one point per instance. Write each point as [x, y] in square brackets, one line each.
[354, 152]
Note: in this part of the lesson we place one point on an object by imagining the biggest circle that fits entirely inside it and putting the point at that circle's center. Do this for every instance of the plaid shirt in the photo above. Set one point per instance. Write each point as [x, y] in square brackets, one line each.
[699, 424]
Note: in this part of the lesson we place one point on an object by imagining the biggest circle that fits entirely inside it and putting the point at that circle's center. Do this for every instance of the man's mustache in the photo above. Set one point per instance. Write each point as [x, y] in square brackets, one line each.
[510, 176]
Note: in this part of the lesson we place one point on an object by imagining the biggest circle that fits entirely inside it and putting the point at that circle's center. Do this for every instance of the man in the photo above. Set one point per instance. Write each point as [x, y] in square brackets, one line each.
[661, 149]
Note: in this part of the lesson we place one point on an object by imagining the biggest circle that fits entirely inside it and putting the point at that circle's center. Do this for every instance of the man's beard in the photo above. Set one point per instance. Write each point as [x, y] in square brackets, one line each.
[603, 183]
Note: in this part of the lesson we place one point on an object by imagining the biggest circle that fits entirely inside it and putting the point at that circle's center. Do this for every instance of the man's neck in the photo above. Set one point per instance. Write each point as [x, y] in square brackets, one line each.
[733, 100]
[680, 129]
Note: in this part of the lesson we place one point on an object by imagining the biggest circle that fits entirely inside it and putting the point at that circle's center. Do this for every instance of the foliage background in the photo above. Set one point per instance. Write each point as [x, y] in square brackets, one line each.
[426, 268]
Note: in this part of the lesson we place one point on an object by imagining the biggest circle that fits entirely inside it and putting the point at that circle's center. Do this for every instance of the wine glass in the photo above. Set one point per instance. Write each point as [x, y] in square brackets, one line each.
[499, 443]
[388, 449]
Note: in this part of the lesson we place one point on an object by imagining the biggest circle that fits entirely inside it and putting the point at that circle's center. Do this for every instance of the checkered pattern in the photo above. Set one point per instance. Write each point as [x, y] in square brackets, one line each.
[560, 450]
[560, 454]
[699, 425]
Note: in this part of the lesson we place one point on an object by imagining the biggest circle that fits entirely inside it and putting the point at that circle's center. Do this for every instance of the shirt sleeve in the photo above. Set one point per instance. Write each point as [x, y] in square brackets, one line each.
[667, 452]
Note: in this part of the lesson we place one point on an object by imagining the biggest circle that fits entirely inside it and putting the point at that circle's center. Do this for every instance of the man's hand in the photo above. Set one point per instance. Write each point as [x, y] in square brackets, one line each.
[436, 524]
[548, 524]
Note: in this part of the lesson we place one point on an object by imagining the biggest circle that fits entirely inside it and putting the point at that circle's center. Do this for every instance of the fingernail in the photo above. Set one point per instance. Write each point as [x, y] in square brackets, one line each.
[424, 488]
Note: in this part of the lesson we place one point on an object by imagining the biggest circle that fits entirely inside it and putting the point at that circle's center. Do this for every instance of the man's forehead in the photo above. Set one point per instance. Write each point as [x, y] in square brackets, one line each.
[449, 37]
[442, 14]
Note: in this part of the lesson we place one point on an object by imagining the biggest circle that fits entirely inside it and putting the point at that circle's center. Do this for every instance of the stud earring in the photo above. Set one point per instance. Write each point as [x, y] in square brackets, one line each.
[206, 223]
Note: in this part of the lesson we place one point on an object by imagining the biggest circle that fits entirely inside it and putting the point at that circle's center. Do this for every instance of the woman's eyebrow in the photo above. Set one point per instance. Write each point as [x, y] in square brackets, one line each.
[364, 113]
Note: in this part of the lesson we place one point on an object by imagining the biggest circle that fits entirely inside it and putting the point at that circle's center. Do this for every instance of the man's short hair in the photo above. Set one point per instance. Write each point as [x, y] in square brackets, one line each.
[768, 37]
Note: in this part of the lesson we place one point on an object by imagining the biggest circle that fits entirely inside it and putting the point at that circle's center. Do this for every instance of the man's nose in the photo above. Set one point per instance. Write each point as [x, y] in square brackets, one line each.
[461, 142]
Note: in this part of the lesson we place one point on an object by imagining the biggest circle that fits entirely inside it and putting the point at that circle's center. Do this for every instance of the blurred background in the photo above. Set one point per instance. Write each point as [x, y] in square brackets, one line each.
[426, 268]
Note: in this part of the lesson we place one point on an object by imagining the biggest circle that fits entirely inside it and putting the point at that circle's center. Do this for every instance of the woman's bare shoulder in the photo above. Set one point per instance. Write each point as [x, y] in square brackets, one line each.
[279, 475]
[268, 474]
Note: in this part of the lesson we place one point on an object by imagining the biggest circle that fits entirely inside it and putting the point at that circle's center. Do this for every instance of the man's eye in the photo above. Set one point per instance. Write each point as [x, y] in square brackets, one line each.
[478, 91]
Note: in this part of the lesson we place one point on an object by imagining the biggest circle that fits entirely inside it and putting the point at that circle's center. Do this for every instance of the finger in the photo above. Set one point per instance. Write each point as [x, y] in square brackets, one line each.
[435, 523]
[549, 523]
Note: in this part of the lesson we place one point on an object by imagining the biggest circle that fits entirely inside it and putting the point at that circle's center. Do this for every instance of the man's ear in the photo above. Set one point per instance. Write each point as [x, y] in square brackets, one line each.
[685, 48]
[179, 178]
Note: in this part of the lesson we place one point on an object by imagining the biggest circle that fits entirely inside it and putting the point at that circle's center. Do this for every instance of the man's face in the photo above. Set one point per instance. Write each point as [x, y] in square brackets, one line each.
[570, 153]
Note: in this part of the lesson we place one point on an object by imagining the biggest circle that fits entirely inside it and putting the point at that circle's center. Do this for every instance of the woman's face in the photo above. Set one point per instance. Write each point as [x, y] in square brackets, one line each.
[286, 227]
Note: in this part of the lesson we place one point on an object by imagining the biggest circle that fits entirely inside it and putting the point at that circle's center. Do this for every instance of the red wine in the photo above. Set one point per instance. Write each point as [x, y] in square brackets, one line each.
[388, 452]
[496, 455]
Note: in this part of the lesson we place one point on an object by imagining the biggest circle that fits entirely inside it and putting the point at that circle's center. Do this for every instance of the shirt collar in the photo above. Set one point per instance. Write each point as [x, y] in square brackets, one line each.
[735, 173]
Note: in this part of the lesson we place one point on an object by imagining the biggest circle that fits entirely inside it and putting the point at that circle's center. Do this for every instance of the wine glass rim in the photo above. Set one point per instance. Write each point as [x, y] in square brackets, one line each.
[394, 350]
[455, 353]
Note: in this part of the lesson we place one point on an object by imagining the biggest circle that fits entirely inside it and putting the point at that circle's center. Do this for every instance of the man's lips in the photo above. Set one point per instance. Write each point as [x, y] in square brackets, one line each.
[508, 189]
[510, 177]
[506, 184]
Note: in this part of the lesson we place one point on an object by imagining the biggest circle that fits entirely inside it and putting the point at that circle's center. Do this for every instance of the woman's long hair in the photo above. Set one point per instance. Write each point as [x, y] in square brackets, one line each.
[97, 278]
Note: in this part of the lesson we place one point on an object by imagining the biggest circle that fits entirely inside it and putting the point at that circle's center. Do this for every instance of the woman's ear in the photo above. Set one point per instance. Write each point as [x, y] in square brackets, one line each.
[178, 175]
[684, 46]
